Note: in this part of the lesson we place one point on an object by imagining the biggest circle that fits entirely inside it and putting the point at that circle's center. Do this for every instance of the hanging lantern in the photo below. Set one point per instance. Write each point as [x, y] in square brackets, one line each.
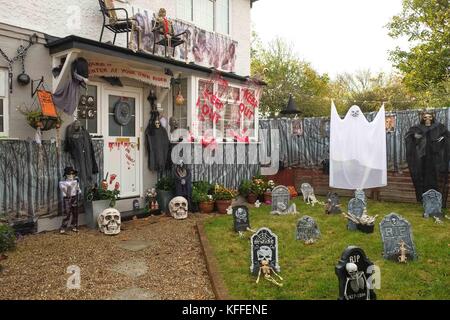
[179, 100]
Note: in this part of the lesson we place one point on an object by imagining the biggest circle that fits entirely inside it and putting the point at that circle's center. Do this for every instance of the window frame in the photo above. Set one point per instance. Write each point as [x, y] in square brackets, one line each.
[99, 93]
[194, 111]
[214, 13]
[5, 115]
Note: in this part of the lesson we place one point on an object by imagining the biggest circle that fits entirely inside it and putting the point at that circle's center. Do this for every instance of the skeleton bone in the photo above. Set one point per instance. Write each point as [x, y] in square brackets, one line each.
[437, 220]
[266, 270]
[402, 258]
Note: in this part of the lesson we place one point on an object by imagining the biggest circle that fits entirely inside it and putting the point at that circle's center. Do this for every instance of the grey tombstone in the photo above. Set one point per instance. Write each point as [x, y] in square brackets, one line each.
[394, 228]
[280, 200]
[264, 246]
[307, 229]
[356, 207]
[432, 204]
[333, 206]
[241, 218]
[360, 194]
[354, 272]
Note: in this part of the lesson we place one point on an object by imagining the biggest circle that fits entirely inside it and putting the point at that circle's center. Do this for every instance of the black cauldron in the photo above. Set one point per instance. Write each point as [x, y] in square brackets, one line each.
[23, 79]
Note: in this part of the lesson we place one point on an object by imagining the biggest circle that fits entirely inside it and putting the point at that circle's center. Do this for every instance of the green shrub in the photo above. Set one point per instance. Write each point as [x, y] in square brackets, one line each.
[202, 186]
[7, 238]
[165, 184]
[245, 187]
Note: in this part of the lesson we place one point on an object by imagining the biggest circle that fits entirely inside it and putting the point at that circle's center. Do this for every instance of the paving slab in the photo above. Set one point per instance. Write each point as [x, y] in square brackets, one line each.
[135, 294]
[134, 245]
[132, 268]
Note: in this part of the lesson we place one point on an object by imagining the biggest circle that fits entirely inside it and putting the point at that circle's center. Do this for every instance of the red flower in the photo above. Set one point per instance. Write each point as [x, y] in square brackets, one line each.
[112, 178]
[117, 186]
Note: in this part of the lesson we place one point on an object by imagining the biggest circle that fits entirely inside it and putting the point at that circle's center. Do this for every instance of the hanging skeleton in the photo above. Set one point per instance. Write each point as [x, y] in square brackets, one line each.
[22, 78]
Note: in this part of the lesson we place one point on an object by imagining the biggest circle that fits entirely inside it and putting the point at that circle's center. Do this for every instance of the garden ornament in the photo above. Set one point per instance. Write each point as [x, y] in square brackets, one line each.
[356, 279]
[178, 208]
[267, 271]
[402, 258]
[257, 204]
[109, 221]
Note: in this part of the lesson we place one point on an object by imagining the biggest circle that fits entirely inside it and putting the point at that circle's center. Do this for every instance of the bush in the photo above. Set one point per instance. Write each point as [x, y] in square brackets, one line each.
[203, 186]
[165, 184]
[245, 187]
[7, 238]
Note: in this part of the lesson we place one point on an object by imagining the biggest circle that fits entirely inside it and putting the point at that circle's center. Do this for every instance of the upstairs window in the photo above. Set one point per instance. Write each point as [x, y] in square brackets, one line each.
[211, 15]
[4, 105]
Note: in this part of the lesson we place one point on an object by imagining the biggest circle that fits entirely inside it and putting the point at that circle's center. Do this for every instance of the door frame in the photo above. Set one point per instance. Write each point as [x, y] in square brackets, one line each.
[139, 92]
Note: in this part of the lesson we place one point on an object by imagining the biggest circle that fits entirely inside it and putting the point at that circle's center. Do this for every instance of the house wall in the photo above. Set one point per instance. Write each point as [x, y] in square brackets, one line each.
[61, 18]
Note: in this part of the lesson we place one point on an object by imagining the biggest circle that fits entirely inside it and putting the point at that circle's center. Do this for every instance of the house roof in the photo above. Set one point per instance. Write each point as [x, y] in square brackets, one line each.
[57, 45]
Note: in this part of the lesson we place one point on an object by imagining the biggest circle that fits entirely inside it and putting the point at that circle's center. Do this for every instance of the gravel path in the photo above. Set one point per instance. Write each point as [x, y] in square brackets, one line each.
[166, 263]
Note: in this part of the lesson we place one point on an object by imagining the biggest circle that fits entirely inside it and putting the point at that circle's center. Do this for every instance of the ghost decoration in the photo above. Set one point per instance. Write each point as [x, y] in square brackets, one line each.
[357, 150]
[109, 221]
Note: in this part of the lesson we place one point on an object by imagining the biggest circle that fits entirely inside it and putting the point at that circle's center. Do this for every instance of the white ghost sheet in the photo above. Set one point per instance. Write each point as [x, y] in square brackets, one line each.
[357, 150]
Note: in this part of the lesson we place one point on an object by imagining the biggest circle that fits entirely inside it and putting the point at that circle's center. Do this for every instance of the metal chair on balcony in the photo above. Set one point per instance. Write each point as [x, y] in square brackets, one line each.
[112, 22]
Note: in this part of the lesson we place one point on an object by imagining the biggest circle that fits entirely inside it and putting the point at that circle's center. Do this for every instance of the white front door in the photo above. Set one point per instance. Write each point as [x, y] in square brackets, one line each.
[122, 132]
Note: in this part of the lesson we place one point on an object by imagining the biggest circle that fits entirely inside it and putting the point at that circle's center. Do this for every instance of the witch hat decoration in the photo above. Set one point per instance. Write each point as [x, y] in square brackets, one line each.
[291, 107]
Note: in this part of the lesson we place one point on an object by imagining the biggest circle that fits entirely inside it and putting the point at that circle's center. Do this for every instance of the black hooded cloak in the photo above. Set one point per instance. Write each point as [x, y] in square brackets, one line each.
[427, 154]
[158, 144]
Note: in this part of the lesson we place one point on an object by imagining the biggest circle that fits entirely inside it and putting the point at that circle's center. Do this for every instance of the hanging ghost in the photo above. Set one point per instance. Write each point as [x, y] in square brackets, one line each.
[357, 150]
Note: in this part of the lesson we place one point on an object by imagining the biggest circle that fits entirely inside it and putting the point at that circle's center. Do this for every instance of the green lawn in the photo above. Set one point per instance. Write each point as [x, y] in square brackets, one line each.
[308, 270]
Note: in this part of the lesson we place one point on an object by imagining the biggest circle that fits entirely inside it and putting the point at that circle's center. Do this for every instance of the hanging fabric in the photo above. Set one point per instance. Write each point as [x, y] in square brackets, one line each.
[357, 150]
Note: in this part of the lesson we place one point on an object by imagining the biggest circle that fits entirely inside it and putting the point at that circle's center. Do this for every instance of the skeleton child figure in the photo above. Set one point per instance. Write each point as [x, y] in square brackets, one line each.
[356, 282]
[70, 189]
[264, 257]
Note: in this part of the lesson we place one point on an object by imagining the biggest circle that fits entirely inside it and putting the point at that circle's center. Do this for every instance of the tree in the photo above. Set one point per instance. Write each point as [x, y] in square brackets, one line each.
[426, 66]
[284, 74]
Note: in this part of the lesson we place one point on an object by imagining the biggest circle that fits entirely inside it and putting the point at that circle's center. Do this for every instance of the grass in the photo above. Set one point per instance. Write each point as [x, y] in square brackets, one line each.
[308, 270]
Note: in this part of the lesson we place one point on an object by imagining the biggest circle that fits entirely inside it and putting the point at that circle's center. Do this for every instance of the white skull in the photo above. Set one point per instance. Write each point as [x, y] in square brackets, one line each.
[109, 221]
[240, 214]
[352, 270]
[264, 253]
[178, 208]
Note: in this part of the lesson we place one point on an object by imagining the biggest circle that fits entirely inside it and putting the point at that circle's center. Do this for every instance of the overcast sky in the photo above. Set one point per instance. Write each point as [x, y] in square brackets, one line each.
[333, 35]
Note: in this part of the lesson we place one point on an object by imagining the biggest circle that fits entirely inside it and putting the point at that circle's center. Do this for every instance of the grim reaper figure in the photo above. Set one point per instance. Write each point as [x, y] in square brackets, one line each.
[427, 154]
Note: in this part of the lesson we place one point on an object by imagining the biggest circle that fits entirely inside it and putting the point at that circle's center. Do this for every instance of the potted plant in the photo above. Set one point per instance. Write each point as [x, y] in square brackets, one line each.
[99, 199]
[268, 193]
[201, 196]
[164, 189]
[258, 188]
[224, 197]
[246, 190]
[37, 120]
[7, 240]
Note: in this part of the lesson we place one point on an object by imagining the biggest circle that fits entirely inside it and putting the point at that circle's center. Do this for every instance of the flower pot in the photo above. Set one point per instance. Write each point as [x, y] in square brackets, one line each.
[267, 197]
[92, 210]
[251, 198]
[222, 205]
[163, 197]
[365, 228]
[206, 207]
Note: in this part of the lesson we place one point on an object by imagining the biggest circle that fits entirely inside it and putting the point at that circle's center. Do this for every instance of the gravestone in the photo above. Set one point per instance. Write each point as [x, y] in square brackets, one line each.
[432, 204]
[394, 228]
[354, 271]
[356, 207]
[264, 246]
[360, 194]
[333, 205]
[241, 218]
[280, 200]
[307, 229]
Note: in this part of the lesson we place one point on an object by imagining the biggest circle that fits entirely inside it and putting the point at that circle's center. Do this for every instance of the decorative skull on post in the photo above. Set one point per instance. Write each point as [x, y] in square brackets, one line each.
[109, 221]
[178, 208]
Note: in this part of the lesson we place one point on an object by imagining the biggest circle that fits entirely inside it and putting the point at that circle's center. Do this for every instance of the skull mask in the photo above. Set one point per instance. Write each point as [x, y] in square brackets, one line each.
[264, 253]
[178, 208]
[109, 221]
[352, 270]
[240, 214]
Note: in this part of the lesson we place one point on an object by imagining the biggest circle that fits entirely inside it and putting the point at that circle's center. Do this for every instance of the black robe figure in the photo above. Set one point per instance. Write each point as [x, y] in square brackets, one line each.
[157, 142]
[427, 154]
[79, 145]
[183, 182]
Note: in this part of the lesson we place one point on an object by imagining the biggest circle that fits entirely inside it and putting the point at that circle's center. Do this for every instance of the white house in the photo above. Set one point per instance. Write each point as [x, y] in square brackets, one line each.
[210, 67]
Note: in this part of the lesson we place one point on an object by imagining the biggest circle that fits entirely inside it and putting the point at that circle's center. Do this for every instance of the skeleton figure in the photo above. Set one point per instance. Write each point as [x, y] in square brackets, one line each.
[267, 271]
[178, 208]
[357, 281]
[308, 194]
[402, 258]
[364, 219]
[437, 220]
[109, 221]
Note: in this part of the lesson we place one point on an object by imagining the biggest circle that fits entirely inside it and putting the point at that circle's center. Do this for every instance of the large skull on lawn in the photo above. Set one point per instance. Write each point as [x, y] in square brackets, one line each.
[178, 208]
[109, 221]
